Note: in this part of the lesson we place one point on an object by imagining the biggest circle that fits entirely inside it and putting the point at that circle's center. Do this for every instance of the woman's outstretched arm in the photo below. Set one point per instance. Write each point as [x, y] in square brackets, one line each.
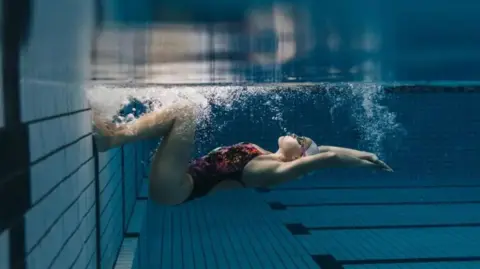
[368, 156]
[328, 159]
[267, 172]
[348, 151]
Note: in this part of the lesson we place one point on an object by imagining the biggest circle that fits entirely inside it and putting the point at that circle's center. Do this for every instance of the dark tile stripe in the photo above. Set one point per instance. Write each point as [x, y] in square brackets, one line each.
[132, 234]
[327, 262]
[300, 229]
[378, 227]
[297, 229]
[14, 156]
[411, 260]
[282, 206]
[277, 206]
[309, 188]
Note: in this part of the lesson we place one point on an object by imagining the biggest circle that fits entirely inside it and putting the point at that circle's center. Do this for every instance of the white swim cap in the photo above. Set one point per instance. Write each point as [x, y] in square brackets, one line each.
[312, 150]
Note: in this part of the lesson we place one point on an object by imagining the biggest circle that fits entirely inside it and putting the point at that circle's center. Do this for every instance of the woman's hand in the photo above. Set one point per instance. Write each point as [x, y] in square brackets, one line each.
[370, 157]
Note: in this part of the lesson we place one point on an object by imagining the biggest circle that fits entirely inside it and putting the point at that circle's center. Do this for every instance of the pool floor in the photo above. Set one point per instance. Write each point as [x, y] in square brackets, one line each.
[323, 224]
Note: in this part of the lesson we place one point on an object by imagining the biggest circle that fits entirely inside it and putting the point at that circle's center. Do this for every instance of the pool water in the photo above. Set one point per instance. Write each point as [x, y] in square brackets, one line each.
[421, 216]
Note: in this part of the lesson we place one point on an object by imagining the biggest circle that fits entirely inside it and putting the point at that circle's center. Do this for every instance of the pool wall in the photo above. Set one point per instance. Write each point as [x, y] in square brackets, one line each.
[62, 205]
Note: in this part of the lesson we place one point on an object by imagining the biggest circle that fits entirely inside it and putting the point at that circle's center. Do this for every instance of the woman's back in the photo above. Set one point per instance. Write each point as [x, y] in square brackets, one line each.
[223, 163]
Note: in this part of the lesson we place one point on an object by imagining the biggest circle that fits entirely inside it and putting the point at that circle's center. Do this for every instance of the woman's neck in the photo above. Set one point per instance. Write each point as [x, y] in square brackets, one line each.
[280, 155]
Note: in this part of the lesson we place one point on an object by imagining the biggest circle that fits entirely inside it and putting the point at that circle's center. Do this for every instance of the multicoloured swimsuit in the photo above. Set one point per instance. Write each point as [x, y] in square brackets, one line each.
[223, 163]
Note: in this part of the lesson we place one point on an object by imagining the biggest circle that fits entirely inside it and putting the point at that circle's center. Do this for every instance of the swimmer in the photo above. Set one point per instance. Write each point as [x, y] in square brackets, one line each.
[176, 179]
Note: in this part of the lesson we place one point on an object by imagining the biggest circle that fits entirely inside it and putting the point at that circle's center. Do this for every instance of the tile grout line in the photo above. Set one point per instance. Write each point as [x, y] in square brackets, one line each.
[97, 206]
[125, 224]
[280, 224]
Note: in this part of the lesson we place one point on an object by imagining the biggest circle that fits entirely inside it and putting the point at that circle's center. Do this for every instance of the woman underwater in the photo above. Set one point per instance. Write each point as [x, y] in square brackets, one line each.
[176, 179]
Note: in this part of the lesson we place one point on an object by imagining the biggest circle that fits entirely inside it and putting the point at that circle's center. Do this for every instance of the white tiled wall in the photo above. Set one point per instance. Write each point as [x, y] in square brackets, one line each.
[60, 225]
[51, 98]
[69, 161]
[130, 188]
[118, 192]
[47, 137]
[111, 215]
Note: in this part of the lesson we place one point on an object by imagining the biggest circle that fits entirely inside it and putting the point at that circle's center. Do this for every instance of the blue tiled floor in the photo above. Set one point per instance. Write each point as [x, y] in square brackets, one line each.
[330, 181]
[443, 265]
[138, 217]
[388, 195]
[348, 216]
[394, 243]
[360, 226]
[393, 224]
[230, 230]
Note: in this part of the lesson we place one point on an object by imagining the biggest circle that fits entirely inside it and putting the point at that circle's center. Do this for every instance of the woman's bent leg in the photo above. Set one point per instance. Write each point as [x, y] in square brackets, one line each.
[169, 182]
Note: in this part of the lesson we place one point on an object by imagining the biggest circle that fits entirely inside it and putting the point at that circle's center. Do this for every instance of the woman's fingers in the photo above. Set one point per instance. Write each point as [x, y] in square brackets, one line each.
[384, 166]
[370, 157]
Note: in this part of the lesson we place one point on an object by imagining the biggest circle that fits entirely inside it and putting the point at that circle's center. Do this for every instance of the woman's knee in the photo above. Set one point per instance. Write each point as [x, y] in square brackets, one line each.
[185, 114]
[181, 110]
[187, 109]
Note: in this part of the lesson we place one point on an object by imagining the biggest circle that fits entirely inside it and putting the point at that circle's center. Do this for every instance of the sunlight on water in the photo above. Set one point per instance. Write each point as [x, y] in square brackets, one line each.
[363, 102]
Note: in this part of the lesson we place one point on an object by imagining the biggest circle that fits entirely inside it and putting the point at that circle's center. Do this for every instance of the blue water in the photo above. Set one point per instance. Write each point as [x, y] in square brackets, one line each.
[64, 205]
[421, 216]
